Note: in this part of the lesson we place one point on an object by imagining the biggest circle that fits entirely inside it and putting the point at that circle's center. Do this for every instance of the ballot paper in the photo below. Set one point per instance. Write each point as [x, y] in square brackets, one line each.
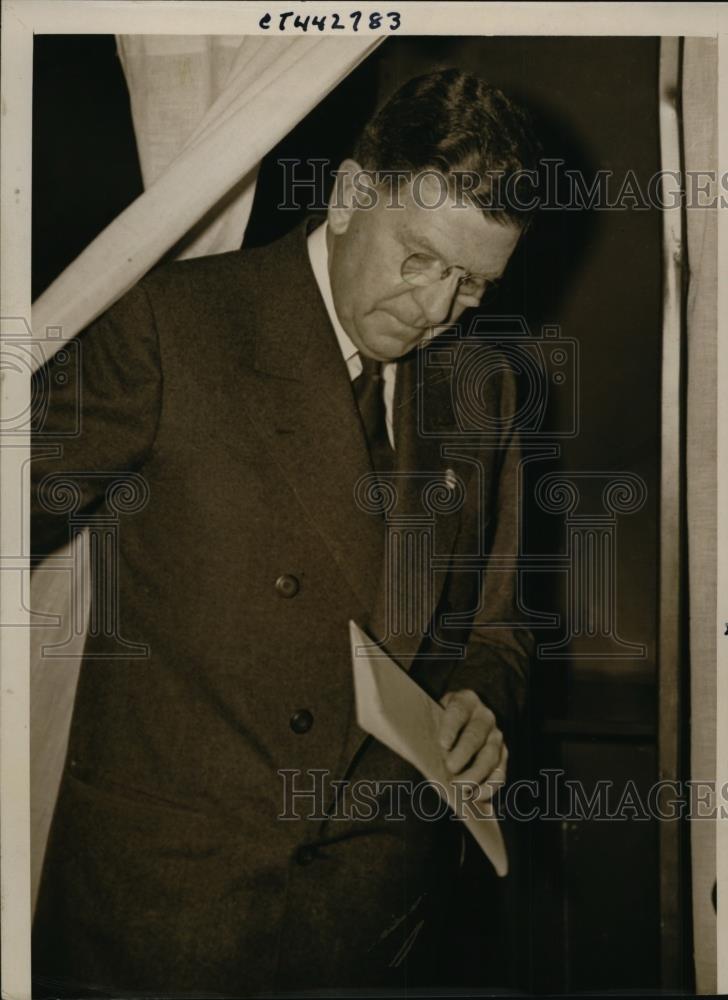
[394, 709]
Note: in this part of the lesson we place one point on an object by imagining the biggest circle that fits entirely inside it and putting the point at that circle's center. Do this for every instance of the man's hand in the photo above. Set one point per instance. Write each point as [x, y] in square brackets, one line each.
[472, 743]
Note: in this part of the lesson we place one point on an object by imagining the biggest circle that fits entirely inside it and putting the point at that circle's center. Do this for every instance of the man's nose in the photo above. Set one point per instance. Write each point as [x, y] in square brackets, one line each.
[436, 300]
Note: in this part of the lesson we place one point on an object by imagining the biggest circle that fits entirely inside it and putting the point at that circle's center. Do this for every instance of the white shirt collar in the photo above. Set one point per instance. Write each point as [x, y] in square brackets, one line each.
[319, 256]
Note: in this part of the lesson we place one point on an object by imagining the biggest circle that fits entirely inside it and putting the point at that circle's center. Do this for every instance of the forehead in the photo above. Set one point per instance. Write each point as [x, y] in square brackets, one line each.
[456, 231]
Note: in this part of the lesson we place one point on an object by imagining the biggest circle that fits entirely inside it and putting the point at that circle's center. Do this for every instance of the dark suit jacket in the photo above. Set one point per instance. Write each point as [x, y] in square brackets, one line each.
[237, 549]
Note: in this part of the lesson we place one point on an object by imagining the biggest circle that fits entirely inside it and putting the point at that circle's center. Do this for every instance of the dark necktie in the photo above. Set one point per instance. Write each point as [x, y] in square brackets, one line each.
[369, 393]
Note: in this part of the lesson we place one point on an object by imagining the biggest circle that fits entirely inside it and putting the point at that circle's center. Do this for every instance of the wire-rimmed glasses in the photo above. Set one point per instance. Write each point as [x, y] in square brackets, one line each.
[425, 269]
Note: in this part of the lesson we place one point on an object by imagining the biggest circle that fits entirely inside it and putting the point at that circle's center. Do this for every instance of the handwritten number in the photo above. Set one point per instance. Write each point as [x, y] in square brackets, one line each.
[301, 23]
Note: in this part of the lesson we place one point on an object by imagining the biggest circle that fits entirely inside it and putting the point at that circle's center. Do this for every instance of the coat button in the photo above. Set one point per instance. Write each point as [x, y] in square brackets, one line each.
[287, 585]
[305, 854]
[301, 721]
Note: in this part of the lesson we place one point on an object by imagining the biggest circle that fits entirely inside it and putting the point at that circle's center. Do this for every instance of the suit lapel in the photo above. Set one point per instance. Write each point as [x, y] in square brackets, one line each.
[299, 396]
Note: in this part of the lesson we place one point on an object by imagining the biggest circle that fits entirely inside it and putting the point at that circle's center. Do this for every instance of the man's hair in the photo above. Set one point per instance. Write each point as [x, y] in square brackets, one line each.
[453, 122]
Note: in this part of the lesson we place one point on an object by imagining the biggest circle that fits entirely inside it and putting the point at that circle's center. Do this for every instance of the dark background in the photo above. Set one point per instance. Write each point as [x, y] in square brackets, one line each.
[584, 896]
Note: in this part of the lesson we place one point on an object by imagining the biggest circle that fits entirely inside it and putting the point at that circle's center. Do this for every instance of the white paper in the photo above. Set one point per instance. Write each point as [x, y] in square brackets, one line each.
[394, 709]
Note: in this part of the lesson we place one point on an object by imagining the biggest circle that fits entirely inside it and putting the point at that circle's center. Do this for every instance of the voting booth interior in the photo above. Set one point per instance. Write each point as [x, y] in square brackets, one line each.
[594, 904]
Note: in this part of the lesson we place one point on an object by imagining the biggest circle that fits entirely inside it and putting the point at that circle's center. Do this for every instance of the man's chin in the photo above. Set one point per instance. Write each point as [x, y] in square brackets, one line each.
[389, 345]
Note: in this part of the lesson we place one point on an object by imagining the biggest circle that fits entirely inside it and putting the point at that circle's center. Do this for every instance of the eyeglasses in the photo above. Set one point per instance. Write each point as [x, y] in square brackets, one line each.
[424, 269]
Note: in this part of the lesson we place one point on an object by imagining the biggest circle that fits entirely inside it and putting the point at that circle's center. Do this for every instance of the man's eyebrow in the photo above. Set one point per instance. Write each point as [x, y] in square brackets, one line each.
[421, 240]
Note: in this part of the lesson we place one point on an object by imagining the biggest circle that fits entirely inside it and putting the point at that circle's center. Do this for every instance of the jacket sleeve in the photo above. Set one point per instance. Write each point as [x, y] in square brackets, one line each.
[500, 646]
[96, 407]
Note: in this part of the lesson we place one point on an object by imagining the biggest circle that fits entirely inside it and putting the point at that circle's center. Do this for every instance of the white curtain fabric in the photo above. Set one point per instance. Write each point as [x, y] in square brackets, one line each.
[699, 97]
[206, 109]
[174, 82]
[56, 595]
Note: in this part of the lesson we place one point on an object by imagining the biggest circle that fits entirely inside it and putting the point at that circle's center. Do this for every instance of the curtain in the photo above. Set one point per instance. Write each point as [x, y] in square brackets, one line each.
[273, 84]
[205, 109]
[699, 98]
[174, 81]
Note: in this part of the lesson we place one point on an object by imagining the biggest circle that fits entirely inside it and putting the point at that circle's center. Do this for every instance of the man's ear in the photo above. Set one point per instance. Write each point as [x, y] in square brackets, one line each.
[344, 200]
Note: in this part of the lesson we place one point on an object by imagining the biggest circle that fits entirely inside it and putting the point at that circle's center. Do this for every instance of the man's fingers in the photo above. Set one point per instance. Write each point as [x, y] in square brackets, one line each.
[497, 777]
[487, 759]
[501, 769]
[458, 709]
[469, 743]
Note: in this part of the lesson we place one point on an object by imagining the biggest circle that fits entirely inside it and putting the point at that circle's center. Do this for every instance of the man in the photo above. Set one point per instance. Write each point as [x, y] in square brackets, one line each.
[253, 402]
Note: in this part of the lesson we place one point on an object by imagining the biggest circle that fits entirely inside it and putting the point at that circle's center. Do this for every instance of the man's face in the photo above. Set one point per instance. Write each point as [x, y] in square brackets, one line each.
[385, 315]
